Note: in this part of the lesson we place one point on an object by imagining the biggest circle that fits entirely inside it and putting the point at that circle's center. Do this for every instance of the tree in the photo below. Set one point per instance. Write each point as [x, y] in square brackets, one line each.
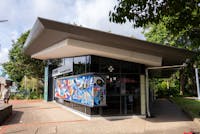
[20, 64]
[160, 34]
[182, 13]
[169, 22]
[179, 17]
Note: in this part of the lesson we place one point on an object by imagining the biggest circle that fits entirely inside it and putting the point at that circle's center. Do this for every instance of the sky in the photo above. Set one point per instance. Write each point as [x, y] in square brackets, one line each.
[21, 15]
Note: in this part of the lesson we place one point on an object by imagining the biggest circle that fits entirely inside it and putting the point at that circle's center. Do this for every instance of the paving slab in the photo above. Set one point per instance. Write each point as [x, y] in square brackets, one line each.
[47, 117]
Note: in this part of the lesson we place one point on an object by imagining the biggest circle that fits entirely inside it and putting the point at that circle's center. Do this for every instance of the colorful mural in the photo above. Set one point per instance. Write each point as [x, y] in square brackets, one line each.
[88, 89]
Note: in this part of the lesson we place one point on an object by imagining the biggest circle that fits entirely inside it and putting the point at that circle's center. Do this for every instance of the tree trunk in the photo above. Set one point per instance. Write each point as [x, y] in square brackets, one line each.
[182, 82]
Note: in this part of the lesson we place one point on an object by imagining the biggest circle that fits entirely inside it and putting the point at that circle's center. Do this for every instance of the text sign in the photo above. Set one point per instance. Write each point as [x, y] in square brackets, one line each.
[61, 70]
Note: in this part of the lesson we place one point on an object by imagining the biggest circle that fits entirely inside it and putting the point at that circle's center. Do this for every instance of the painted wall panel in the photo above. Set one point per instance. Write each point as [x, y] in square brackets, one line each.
[87, 89]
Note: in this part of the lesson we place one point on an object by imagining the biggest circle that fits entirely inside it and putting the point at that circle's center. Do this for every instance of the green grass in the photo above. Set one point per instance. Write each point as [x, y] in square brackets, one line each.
[191, 106]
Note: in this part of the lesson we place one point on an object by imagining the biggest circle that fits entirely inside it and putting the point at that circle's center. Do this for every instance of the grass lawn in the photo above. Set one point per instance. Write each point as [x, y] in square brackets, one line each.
[189, 105]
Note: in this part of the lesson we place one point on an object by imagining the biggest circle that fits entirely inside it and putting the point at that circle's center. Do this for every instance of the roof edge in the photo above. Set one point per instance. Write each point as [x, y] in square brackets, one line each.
[44, 21]
[36, 31]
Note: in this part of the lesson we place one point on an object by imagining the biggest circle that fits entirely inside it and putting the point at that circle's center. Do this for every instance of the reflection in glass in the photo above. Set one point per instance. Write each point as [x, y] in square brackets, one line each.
[69, 62]
[79, 65]
[88, 63]
[60, 62]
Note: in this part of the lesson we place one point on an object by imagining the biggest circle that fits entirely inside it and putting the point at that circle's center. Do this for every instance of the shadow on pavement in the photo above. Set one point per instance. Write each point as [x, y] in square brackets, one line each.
[26, 107]
[15, 118]
[117, 119]
[163, 110]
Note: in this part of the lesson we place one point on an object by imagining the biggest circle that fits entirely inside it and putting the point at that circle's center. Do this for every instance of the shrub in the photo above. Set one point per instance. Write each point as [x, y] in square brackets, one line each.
[19, 96]
[34, 95]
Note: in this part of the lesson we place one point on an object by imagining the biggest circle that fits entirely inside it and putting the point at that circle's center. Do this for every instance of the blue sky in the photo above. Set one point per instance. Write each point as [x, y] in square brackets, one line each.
[21, 15]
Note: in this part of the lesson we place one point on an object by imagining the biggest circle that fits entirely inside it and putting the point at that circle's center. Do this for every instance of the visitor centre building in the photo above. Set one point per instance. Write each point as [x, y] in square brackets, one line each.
[99, 73]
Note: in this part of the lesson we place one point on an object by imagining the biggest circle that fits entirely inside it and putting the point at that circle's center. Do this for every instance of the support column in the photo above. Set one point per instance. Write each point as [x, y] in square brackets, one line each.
[142, 95]
[46, 73]
[147, 93]
[48, 83]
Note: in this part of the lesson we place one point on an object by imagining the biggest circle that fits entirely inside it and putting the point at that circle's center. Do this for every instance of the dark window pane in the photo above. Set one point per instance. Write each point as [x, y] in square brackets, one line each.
[88, 63]
[113, 84]
[61, 62]
[94, 64]
[79, 65]
[113, 106]
[129, 67]
[108, 65]
[130, 91]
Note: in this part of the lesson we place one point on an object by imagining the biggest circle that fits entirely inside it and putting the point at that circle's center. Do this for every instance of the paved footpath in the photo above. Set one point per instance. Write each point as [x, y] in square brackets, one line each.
[39, 117]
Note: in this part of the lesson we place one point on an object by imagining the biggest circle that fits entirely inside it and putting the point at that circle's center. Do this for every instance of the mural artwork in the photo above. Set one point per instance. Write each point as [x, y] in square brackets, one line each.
[88, 90]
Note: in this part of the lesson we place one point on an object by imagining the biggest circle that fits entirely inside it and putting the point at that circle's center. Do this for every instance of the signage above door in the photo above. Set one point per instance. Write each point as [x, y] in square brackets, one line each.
[62, 70]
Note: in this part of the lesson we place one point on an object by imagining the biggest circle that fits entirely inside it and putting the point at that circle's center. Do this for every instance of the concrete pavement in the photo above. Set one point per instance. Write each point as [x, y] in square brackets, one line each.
[44, 118]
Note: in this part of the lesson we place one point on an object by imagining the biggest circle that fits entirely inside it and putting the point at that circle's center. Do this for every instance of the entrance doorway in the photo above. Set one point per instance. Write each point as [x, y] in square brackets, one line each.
[123, 95]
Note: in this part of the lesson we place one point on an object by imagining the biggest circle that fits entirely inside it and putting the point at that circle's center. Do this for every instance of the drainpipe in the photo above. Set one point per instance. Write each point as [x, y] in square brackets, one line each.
[147, 82]
[197, 82]
[147, 93]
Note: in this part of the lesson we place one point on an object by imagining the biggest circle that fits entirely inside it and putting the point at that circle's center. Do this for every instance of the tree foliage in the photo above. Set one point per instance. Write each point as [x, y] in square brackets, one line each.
[169, 22]
[20, 64]
[179, 18]
[31, 84]
[158, 33]
[182, 14]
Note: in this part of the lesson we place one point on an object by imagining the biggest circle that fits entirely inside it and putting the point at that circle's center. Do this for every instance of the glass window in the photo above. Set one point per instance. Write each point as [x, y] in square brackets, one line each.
[88, 63]
[69, 62]
[113, 84]
[130, 93]
[79, 65]
[130, 84]
[108, 65]
[59, 62]
[94, 64]
[129, 67]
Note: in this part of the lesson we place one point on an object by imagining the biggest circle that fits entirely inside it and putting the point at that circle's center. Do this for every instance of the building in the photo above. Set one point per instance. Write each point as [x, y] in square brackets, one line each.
[100, 73]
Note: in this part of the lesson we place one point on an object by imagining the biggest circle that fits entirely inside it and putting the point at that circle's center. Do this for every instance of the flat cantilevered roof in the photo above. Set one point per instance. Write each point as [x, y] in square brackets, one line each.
[49, 39]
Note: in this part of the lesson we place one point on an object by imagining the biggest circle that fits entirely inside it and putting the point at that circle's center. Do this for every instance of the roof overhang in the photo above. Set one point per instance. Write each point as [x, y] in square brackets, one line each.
[50, 39]
[71, 47]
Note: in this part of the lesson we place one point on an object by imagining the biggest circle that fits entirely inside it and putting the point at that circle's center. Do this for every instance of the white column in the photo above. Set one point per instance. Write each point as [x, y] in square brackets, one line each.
[142, 95]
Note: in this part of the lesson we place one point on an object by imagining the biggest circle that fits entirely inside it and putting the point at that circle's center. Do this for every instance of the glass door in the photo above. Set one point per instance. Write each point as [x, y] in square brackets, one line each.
[112, 95]
[130, 94]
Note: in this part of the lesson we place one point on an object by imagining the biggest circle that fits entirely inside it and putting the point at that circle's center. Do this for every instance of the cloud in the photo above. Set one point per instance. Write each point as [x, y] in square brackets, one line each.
[3, 55]
[14, 35]
[95, 14]
[21, 15]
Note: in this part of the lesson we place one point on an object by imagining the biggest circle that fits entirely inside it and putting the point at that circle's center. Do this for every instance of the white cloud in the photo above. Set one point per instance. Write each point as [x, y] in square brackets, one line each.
[21, 15]
[14, 35]
[95, 14]
[3, 55]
